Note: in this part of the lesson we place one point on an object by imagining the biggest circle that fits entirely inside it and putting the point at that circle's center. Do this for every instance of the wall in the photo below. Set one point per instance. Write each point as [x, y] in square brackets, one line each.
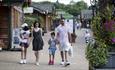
[16, 21]
[4, 26]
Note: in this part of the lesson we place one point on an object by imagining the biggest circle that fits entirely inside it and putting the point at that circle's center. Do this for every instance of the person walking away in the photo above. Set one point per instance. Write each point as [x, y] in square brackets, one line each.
[52, 48]
[80, 24]
[87, 36]
[64, 38]
[37, 40]
[24, 42]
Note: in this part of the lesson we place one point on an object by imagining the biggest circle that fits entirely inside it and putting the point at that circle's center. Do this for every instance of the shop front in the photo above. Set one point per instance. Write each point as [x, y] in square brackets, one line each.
[5, 34]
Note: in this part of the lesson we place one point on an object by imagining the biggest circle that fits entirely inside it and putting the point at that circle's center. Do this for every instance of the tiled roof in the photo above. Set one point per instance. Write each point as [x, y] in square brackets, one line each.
[43, 7]
[64, 14]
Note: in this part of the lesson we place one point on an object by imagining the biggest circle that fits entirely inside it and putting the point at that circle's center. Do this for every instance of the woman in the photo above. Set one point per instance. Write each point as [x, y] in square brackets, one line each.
[37, 40]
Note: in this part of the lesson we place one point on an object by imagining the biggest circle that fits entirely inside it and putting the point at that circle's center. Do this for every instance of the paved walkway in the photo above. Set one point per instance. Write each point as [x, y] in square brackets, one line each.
[9, 60]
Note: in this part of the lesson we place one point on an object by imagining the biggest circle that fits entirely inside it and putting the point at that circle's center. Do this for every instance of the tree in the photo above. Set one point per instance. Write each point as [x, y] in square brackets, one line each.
[73, 9]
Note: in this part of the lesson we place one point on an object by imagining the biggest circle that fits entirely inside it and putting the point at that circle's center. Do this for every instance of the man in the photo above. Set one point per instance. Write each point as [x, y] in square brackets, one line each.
[64, 39]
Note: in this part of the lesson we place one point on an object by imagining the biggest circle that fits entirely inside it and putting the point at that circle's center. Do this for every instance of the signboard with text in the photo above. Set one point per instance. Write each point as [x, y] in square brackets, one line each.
[28, 10]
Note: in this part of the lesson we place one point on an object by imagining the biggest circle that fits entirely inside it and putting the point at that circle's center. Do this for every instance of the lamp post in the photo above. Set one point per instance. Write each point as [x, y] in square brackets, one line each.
[94, 6]
[46, 23]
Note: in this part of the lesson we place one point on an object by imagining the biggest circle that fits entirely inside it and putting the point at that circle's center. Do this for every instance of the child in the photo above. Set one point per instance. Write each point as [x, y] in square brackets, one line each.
[24, 43]
[52, 48]
[87, 36]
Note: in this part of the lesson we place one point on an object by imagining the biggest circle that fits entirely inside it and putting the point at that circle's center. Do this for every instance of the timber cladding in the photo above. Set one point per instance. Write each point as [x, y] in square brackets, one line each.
[4, 26]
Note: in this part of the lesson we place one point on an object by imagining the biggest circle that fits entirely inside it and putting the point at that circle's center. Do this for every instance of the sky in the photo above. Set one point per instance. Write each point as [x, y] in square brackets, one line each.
[62, 1]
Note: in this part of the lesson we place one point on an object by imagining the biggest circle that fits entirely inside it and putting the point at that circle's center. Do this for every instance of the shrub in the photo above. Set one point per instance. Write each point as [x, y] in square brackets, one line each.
[96, 53]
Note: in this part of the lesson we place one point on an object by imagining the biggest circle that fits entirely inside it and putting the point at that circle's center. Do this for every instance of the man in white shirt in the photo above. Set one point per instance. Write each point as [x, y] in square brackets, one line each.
[64, 39]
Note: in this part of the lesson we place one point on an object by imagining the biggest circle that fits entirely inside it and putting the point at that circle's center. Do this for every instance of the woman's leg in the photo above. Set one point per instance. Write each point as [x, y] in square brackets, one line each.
[37, 56]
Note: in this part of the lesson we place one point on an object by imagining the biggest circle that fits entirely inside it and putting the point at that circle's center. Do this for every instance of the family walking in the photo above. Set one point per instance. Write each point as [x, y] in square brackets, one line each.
[61, 36]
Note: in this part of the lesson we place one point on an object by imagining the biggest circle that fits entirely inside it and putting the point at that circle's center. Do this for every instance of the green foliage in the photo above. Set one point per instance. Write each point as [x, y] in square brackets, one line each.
[96, 53]
[30, 19]
[25, 4]
[73, 9]
[60, 6]
[98, 25]
[98, 28]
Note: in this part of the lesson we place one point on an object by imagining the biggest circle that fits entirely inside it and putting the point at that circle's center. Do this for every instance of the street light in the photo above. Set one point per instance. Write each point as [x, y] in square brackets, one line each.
[46, 26]
[94, 6]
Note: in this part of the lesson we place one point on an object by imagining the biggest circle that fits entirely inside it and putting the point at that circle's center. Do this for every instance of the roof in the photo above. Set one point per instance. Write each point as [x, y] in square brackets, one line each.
[43, 7]
[64, 14]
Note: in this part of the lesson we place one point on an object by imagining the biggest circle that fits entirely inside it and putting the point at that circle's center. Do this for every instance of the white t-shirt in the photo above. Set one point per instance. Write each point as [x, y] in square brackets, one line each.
[63, 33]
[24, 36]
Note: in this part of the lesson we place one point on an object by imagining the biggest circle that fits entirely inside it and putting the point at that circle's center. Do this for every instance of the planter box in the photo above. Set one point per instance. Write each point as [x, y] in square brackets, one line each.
[111, 60]
[110, 64]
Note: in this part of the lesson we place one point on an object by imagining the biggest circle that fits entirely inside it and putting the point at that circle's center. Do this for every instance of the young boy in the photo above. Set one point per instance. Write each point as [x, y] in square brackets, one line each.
[52, 48]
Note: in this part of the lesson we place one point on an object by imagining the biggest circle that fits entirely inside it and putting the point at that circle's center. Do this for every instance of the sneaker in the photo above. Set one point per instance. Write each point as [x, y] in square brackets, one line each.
[67, 63]
[24, 61]
[21, 61]
[50, 62]
[62, 63]
[37, 63]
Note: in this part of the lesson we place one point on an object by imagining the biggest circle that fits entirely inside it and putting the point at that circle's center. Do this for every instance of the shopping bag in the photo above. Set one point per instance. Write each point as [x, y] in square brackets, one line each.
[70, 51]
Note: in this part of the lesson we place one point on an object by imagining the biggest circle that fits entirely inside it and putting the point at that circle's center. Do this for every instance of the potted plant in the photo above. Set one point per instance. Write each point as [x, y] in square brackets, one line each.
[96, 53]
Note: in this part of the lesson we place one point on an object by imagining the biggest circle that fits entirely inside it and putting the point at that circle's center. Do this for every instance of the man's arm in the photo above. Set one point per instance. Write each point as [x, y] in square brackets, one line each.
[57, 38]
[69, 36]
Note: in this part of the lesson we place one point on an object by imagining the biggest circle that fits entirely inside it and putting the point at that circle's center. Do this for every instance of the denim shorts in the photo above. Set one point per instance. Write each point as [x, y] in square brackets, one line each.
[52, 51]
